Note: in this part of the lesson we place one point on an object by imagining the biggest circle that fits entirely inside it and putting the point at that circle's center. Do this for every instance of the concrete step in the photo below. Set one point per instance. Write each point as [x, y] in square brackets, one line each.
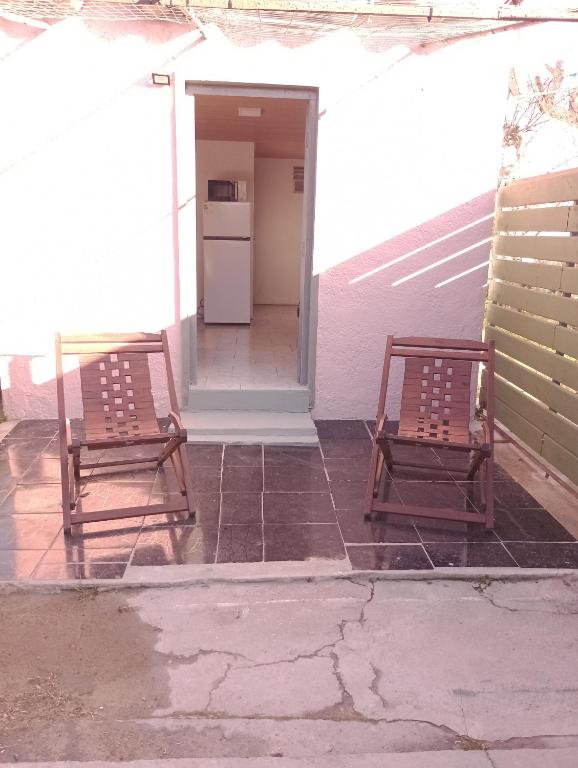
[289, 399]
[250, 427]
[510, 758]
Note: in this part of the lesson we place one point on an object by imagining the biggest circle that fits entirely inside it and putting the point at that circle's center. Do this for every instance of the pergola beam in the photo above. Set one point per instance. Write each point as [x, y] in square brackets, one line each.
[457, 11]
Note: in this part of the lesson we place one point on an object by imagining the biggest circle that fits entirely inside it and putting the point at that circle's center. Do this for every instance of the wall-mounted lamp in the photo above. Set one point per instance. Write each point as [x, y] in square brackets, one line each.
[159, 79]
[250, 111]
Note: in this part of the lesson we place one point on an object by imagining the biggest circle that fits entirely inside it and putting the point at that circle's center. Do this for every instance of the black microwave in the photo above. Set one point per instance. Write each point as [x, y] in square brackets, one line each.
[220, 191]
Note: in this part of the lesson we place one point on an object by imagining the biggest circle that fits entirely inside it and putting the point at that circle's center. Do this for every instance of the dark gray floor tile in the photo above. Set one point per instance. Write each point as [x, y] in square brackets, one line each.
[241, 508]
[303, 542]
[206, 479]
[78, 571]
[292, 456]
[243, 456]
[448, 531]
[42, 470]
[544, 555]
[296, 479]
[35, 428]
[105, 534]
[348, 495]
[240, 544]
[389, 557]
[244, 479]
[77, 553]
[205, 505]
[433, 495]
[513, 496]
[205, 454]
[176, 546]
[529, 525]
[356, 528]
[298, 508]
[28, 531]
[333, 448]
[469, 554]
[341, 428]
[347, 469]
[18, 563]
[33, 499]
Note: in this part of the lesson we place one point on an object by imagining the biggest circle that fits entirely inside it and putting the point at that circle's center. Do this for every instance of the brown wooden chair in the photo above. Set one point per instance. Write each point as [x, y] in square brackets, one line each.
[119, 412]
[435, 412]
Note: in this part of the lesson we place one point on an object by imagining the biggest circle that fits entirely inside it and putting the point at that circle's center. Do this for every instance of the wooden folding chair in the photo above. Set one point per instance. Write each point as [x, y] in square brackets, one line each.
[119, 412]
[435, 413]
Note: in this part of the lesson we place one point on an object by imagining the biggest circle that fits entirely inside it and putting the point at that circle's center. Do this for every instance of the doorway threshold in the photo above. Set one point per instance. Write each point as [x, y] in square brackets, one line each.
[289, 398]
[250, 427]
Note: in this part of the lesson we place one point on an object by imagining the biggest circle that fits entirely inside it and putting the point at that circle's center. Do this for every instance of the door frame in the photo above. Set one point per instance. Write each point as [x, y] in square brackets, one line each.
[184, 147]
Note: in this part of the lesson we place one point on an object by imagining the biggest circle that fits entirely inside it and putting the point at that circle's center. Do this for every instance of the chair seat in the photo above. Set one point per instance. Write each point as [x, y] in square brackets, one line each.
[429, 442]
[120, 441]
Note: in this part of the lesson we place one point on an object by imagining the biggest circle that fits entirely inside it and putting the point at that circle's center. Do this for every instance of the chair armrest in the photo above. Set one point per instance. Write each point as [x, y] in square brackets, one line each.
[176, 422]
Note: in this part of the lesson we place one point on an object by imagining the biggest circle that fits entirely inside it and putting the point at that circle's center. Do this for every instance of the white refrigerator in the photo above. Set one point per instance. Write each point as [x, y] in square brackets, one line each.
[227, 262]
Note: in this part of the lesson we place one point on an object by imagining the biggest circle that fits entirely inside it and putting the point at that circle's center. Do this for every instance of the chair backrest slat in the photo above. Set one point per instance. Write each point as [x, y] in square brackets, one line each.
[435, 400]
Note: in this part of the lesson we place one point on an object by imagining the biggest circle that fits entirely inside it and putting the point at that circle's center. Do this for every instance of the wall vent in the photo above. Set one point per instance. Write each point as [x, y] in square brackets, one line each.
[298, 178]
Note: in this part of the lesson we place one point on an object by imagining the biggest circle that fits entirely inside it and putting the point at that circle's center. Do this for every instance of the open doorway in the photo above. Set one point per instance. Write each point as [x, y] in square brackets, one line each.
[253, 256]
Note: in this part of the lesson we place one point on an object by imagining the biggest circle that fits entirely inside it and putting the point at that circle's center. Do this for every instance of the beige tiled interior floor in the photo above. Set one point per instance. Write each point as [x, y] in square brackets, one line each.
[263, 354]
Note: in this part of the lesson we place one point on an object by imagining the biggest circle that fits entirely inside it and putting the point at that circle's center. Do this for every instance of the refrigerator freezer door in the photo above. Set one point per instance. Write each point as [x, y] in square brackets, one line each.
[226, 219]
[227, 281]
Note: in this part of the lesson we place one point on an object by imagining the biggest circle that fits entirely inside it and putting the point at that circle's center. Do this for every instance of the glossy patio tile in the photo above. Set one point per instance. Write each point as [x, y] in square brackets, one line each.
[42, 470]
[33, 499]
[205, 454]
[78, 571]
[513, 496]
[334, 448]
[390, 528]
[348, 495]
[529, 525]
[548, 555]
[78, 553]
[23, 449]
[448, 531]
[244, 479]
[243, 456]
[176, 546]
[305, 541]
[205, 505]
[299, 479]
[341, 429]
[430, 494]
[292, 456]
[102, 494]
[389, 557]
[18, 563]
[298, 508]
[142, 473]
[470, 555]
[240, 544]
[28, 531]
[105, 534]
[35, 428]
[241, 508]
[347, 469]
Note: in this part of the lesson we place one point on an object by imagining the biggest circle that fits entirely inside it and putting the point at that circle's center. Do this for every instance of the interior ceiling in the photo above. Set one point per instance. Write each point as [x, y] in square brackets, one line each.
[279, 132]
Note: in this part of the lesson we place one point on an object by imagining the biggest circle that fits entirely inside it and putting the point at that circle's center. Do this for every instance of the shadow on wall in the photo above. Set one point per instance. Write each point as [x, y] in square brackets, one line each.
[428, 281]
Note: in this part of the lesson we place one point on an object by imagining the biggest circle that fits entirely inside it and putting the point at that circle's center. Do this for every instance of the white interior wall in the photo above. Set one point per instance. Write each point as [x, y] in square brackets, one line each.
[220, 160]
[278, 232]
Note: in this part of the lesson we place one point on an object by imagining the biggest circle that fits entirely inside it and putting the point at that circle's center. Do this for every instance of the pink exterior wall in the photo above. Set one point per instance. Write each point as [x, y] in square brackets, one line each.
[408, 155]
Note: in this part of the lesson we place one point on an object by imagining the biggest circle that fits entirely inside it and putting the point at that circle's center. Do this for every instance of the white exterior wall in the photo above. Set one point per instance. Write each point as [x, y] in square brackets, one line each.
[408, 154]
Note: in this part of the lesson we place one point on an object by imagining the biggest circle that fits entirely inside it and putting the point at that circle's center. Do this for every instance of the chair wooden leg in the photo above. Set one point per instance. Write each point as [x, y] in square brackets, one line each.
[182, 454]
[68, 486]
[372, 479]
[489, 492]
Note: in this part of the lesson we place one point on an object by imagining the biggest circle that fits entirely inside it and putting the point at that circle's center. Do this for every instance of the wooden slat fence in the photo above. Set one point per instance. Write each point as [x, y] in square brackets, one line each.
[532, 314]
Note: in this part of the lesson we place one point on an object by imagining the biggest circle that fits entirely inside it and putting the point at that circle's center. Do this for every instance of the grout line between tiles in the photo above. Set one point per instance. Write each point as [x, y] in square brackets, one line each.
[220, 505]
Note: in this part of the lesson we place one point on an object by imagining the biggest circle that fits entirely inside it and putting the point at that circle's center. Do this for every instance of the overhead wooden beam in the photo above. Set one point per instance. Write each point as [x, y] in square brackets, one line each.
[457, 11]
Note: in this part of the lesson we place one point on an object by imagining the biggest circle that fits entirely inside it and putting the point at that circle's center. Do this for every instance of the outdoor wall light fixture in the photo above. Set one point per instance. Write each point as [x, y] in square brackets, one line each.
[250, 111]
[159, 79]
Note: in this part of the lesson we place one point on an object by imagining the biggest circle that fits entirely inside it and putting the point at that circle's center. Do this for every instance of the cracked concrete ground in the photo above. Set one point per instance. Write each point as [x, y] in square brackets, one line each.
[340, 673]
